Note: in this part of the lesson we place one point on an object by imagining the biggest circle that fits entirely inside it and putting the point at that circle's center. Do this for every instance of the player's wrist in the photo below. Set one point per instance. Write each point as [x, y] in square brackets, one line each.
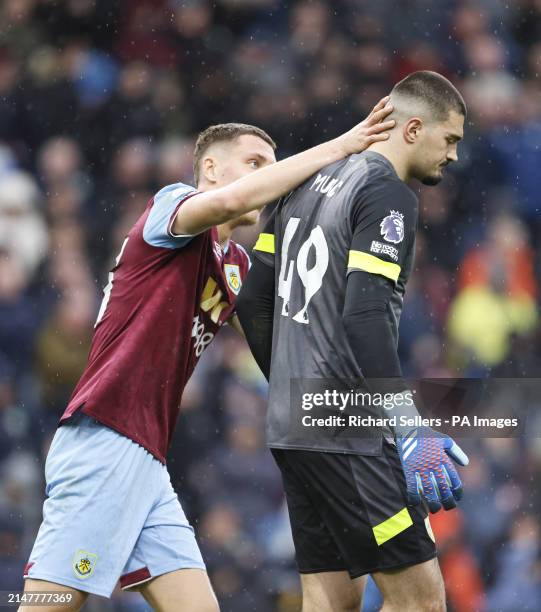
[339, 148]
[405, 415]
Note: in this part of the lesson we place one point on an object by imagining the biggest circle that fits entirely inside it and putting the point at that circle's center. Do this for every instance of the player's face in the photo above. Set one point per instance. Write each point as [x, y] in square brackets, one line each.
[438, 148]
[246, 154]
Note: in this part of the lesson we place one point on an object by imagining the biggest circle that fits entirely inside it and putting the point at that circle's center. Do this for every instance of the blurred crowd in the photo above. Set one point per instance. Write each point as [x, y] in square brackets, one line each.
[100, 104]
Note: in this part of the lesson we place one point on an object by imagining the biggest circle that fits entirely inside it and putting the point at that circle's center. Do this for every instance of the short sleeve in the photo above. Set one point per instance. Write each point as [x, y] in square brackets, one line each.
[384, 222]
[157, 231]
[264, 248]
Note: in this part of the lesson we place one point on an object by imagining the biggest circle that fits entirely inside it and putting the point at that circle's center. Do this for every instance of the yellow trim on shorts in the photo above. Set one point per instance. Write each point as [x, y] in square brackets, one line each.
[265, 243]
[392, 526]
[374, 265]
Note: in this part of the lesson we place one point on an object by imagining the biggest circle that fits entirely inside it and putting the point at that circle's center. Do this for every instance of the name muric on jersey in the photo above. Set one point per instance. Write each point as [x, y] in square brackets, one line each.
[323, 183]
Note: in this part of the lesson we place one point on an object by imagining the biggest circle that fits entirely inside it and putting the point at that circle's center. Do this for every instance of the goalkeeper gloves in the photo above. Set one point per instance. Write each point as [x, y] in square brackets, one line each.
[426, 459]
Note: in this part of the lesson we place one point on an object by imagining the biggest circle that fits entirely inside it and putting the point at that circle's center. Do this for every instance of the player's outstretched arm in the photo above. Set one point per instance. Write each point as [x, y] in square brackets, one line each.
[250, 192]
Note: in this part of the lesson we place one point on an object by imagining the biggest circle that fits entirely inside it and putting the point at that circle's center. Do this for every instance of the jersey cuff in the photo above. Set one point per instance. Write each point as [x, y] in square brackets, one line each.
[369, 263]
[174, 216]
[265, 243]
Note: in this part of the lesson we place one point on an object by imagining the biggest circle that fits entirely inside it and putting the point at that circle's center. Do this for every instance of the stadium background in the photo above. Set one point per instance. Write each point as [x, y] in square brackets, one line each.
[100, 102]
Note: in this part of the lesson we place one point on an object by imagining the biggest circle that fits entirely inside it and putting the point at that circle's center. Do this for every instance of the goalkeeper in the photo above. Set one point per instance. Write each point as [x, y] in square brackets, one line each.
[322, 301]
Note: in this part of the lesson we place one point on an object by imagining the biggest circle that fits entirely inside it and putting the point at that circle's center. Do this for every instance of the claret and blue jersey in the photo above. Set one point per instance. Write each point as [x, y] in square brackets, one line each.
[166, 298]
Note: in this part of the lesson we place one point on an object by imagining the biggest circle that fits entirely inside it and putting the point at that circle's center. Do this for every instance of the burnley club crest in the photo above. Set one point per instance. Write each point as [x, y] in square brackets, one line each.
[84, 563]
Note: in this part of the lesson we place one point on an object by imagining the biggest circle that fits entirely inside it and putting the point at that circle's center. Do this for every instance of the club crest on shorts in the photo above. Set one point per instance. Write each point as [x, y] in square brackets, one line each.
[232, 274]
[84, 563]
[392, 227]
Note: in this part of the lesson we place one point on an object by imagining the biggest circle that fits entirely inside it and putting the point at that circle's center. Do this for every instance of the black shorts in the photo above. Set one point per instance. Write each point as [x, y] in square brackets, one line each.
[349, 512]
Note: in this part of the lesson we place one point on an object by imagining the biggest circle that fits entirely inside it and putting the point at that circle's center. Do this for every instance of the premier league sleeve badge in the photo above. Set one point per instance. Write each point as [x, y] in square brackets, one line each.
[392, 227]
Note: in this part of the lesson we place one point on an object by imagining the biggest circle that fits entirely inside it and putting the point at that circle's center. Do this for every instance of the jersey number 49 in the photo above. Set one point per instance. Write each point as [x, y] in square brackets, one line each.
[311, 278]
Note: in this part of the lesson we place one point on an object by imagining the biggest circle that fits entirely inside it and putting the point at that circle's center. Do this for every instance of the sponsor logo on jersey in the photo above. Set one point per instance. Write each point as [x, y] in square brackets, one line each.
[211, 300]
[327, 185]
[212, 306]
[384, 249]
[232, 274]
[84, 564]
[201, 337]
[392, 227]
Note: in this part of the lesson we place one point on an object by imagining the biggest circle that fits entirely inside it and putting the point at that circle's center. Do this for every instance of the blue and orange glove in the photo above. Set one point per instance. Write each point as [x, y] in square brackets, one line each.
[426, 459]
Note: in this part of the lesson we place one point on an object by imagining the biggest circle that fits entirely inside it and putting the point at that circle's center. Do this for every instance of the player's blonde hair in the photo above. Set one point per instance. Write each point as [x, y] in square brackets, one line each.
[223, 132]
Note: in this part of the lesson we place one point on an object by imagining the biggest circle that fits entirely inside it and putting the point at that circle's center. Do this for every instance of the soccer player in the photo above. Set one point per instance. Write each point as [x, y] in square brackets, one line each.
[322, 301]
[111, 512]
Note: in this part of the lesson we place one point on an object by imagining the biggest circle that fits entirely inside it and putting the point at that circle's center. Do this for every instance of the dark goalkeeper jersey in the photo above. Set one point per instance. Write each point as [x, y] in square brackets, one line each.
[353, 215]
